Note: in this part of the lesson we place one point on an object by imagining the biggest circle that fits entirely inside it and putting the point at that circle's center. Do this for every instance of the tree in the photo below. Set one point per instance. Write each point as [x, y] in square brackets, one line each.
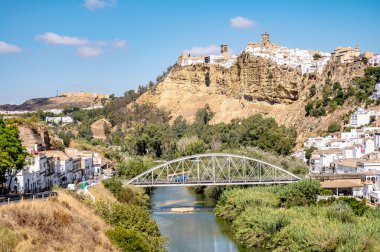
[187, 146]
[309, 107]
[317, 56]
[334, 127]
[372, 119]
[85, 130]
[207, 79]
[204, 115]
[312, 90]
[308, 152]
[336, 86]
[12, 154]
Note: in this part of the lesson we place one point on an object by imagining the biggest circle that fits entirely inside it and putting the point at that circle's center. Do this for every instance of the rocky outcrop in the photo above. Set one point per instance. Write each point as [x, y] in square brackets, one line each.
[35, 137]
[97, 129]
[252, 85]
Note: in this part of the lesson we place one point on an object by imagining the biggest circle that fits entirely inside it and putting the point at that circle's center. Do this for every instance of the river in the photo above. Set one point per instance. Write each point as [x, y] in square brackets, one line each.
[197, 230]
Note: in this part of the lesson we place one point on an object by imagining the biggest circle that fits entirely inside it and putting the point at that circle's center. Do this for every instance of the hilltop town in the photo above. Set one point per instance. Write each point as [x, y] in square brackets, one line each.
[308, 61]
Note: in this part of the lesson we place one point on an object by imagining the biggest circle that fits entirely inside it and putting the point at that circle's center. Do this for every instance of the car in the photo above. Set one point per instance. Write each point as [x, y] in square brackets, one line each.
[181, 179]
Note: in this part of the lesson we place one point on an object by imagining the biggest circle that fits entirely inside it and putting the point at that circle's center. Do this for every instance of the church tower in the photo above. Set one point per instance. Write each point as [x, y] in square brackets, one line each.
[224, 51]
[265, 39]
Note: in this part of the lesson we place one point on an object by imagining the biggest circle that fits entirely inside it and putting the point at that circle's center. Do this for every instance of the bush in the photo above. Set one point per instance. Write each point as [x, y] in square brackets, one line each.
[334, 127]
[132, 217]
[126, 194]
[312, 90]
[187, 146]
[302, 193]
[127, 239]
[133, 167]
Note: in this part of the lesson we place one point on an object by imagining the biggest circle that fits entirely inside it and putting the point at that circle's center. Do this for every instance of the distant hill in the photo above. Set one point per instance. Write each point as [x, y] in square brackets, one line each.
[81, 100]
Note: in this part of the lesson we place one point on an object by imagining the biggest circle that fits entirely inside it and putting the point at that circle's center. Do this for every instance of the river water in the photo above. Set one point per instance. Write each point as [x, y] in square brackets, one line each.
[197, 230]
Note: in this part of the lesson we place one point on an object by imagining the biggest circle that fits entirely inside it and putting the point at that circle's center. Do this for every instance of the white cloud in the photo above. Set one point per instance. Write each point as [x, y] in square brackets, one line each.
[119, 43]
[211, 49]
[55, 39]
[99, 4]
[100, 43]
[241, 22]
[8, 48]
[87, 51]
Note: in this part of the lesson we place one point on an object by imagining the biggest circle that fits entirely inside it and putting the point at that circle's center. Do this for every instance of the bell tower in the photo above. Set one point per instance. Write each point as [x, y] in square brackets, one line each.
[265, 39]
[224, 50]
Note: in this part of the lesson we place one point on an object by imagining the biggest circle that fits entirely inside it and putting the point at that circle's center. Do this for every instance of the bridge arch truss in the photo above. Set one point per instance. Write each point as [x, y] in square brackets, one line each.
[213, 169]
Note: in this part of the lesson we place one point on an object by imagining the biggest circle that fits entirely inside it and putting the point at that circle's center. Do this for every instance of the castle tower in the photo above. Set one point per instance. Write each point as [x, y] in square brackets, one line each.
[182, 58]
[224, 50]
[265, 39]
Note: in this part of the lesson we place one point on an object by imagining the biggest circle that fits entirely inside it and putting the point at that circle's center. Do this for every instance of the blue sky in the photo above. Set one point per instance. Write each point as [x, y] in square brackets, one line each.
[110, 46]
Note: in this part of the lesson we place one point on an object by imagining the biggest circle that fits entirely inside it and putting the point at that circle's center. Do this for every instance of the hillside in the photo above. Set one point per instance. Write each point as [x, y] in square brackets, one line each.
[81, 100]
[251, 85]
[59, 224]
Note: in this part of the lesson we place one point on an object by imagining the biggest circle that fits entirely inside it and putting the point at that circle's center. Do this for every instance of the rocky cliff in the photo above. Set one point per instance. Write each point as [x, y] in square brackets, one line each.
[251, 85]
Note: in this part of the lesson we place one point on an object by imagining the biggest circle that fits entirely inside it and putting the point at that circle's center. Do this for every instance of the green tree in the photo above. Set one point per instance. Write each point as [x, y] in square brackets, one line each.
[308, 152]
[207, 79]
[187, 146]
[12, 154]
[312, 90]
[204, 115]
[334, 127]
[309, 107]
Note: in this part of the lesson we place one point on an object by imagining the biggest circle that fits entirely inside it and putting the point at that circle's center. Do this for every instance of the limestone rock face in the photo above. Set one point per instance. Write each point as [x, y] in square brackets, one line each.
[252, 85]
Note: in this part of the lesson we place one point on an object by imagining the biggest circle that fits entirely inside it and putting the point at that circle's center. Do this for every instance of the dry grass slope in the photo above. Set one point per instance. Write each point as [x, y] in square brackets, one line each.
[102, 193]
[59, 224]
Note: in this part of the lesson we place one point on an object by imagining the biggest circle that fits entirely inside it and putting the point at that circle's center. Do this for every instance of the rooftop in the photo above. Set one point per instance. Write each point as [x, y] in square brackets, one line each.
[341, 183]
[56, 153]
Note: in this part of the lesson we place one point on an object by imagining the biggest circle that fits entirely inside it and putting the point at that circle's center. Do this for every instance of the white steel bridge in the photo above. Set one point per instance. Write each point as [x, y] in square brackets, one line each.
[213, 169]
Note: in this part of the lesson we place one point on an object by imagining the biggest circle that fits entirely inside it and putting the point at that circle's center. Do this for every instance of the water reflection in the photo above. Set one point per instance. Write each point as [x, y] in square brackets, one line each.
[197, 230]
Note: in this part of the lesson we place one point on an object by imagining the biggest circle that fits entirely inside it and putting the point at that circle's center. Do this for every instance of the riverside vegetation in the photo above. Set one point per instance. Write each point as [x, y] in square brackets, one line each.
[133, 228]
[288, 218]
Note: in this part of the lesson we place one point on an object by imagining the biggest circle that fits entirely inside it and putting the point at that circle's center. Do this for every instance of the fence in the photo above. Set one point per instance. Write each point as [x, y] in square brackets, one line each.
[10, 199]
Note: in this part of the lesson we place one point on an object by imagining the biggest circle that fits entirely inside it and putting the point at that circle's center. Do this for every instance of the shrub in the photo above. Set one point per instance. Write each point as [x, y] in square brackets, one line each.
[132, 217]
[312, 90]
[340, 211]
[127, 239]
[334, 127]
[302, 193]
[133, 167]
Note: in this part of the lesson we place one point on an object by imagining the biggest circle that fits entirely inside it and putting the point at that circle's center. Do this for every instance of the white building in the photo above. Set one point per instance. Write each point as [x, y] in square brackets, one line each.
[376, 92]
[37, 176]
[297, 58]
[375, 60]
[361, 117]
[59, 119]
[321, 160]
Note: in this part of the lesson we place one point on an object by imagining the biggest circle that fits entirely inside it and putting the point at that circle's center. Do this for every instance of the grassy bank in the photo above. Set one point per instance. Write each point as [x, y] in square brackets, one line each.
[127, 211]
[58, 224]
[288, 218]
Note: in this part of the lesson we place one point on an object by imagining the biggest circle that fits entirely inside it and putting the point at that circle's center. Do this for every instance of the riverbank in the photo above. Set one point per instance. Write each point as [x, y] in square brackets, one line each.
[288, 218]
[128, 213]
